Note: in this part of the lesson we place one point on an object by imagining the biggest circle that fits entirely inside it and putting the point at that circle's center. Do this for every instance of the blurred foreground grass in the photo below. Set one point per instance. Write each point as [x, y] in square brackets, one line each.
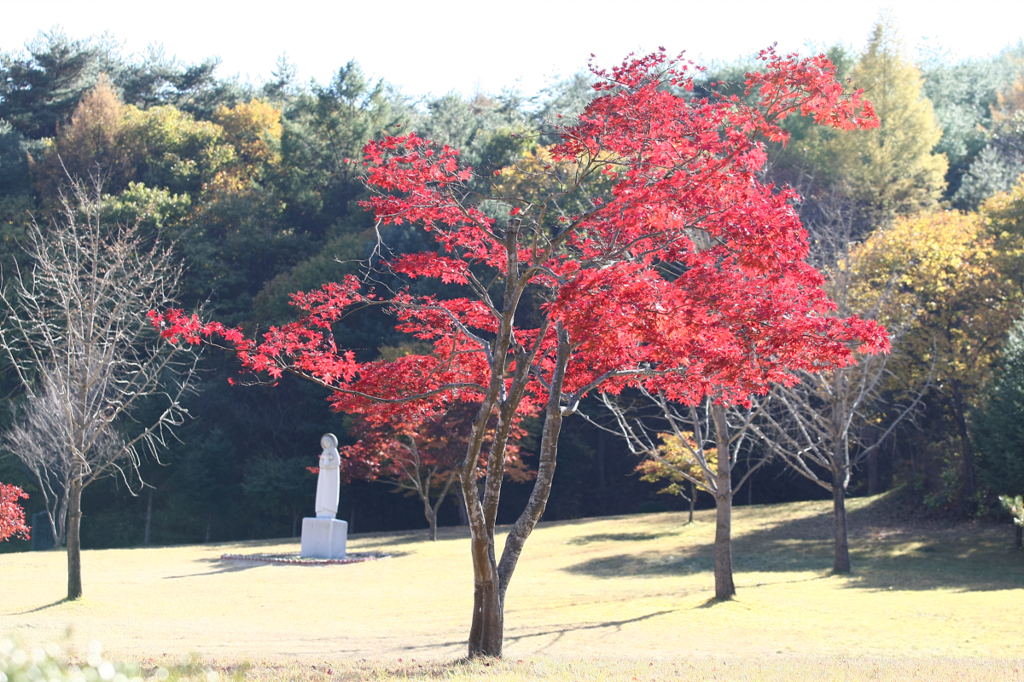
[611, 598]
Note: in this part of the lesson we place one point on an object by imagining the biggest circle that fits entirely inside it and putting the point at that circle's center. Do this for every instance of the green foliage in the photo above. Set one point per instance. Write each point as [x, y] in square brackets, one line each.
[177, 151]
[40, 88]
[282, 488]
[153, 208]
[157, 80]
[964, 95]
[999, 163]
[321, 144]
[998, 425]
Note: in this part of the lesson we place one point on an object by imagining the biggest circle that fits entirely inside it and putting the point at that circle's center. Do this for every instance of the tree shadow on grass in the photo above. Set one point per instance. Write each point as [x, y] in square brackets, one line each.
[558, 632]
[374, 541]
[890, 549]
[39, 608]
[219, 565]
[615, 537]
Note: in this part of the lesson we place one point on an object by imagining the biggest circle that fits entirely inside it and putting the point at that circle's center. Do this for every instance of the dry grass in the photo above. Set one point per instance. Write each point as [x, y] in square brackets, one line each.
[608, 598]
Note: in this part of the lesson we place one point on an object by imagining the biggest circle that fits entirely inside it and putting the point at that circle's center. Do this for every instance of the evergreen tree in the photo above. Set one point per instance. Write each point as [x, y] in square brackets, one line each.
[999, 423]
[890, 170]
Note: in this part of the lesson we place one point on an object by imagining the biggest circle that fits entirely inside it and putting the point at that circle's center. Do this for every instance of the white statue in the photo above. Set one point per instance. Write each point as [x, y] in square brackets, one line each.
[328, 481]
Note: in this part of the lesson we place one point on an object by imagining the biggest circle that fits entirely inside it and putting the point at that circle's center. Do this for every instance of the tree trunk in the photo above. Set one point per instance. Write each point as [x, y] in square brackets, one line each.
[487, 628]
[970, 482]
[725, 588]
[491, 579]
[873, 472]
[74, 542]
[461, 504]
[487, 631]
[841, 564]
[149, 517]
[432, 522]
[693, 500]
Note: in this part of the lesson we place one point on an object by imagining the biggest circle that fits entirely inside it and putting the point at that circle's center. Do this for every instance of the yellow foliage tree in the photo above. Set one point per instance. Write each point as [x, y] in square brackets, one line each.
[678, 462]
[948, 290]
[1010, 100]
[254, 130]
[92, 143]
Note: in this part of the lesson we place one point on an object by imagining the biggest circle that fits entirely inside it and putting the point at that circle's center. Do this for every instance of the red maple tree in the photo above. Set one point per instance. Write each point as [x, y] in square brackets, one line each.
[647, 253]
[12, 515]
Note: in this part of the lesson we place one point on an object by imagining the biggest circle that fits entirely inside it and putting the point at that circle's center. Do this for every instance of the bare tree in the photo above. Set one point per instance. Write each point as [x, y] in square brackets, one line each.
[102, 387]
[39, 437]
[713, 437]
[823, 427]
[830, 422]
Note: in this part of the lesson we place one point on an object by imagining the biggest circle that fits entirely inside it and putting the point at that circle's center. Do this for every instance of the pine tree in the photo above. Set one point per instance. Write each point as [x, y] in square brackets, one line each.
[890, 170]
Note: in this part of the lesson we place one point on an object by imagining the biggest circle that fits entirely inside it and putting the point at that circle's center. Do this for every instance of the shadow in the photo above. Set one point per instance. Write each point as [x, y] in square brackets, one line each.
[39, 608]
[615, 537]
[220, 566]
[234, 565]
[712, 602]
[892, 547]
[652, 563]
[373, 541]
[559, 632]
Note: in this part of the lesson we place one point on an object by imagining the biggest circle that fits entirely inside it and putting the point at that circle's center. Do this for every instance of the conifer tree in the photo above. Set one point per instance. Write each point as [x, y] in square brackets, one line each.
[890, 170]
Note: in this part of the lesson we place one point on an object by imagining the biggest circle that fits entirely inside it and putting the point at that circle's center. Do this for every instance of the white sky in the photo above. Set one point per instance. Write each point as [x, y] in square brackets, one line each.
[436, 46]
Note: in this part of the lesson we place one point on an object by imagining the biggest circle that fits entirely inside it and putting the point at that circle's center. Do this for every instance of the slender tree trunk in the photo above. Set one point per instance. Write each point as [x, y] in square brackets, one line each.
[841, 564]
[487, 629]
[461, 504]
[491, 579]
[59, 522]
[149, 517]
[432, 522]
[693, 500]
[970, 480]
[74, 542]
[725, 588]
[873, 472]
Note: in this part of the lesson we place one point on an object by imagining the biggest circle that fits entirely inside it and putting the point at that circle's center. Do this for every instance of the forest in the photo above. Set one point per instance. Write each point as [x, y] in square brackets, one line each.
[256, 190]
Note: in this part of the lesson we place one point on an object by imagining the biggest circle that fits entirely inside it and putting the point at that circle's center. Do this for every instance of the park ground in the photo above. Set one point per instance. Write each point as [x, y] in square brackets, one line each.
[613, 598]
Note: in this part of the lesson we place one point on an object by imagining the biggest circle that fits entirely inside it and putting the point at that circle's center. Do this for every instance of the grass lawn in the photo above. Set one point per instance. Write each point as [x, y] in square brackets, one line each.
[610, 598]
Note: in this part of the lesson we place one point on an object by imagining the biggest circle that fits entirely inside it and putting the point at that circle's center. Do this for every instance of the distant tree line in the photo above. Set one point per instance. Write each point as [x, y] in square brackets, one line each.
[918, 224]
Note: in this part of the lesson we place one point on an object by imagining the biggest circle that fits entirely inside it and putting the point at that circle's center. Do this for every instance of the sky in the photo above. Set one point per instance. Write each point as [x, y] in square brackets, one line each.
[439, 46]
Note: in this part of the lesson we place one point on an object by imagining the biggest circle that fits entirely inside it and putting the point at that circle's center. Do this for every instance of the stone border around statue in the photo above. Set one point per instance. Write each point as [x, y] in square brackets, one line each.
[297, 560]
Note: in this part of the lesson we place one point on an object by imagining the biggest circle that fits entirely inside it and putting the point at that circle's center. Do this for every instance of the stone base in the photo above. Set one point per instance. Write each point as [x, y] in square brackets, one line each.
[323, 538]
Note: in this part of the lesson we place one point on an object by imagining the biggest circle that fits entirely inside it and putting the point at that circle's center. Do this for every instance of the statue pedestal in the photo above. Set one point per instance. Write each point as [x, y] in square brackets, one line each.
[323, 538]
